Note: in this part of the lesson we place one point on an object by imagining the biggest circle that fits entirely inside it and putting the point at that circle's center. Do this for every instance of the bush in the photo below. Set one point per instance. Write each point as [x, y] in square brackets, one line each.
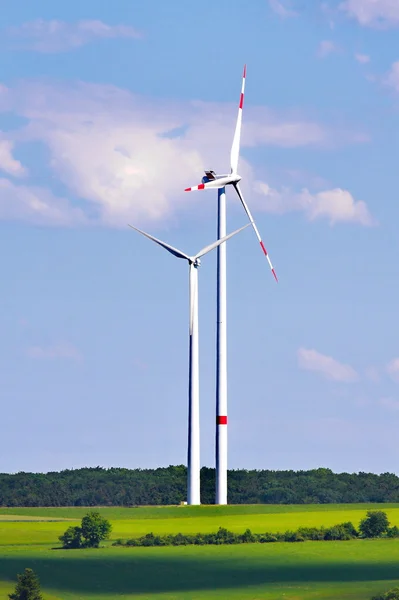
[393, 532]
[265, 538]
[350, 528]
[293, 536]
[343, 531]
[391, 595]
[312, 533]
[375, 524]
[337, 532]
[247, 537]
[27, 588]
[93, 530]
[72, 538]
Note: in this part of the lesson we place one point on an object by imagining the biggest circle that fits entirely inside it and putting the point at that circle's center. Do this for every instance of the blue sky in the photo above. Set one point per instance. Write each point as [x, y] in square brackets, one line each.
[107, 112]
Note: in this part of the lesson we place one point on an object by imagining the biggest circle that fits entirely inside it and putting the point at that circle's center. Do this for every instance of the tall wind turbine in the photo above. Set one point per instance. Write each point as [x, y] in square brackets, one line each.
[212, 181]
[193, 453]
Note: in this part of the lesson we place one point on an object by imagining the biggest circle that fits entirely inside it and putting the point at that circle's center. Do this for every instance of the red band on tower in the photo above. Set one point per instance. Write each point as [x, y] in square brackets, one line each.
[221, 420]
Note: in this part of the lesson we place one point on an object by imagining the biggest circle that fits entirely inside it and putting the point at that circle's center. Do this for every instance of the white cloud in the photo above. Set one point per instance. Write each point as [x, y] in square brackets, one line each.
[8, 163]
[373, 13]
[336, 205]
[328, 367]
[362, 58]
[59, 36]
[389, 403]
[62, 351]
[281, 10]
[122, 157]
[392, 79]
[326, 47]
[37, 205]
[393, 369]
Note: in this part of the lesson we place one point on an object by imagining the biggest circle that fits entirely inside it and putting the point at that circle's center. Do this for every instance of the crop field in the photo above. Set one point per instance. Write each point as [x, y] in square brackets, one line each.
[353, 570]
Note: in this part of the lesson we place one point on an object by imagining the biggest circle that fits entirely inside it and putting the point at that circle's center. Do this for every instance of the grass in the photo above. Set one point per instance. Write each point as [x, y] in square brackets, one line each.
[348, 570]
[134, 522]
[352, 570]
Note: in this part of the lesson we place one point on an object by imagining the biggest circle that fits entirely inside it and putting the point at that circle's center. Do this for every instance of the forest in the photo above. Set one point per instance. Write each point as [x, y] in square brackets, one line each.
[133, 487]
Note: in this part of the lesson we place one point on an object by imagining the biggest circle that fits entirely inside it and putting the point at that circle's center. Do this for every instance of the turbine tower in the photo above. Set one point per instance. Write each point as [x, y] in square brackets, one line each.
[212, 180]
[193, 452]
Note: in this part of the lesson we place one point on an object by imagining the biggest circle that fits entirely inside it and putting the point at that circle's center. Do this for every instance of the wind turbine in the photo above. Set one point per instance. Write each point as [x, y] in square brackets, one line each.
[213, 181]
[193, 454]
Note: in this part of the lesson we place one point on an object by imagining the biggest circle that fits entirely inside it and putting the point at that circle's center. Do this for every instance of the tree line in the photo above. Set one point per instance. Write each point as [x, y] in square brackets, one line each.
[133, 487]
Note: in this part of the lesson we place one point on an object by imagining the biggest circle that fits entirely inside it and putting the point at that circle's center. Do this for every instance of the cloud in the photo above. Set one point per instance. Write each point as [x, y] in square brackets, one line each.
[336, 205]
[8, 163]
[122, 158]
[393, 369]
[326, 47]
[281, 10]
[60, 36]
[62, 351]
[389, 403]
[328, 367]
[362, 58]
[37, 205]
[392, 79]
[372, 13]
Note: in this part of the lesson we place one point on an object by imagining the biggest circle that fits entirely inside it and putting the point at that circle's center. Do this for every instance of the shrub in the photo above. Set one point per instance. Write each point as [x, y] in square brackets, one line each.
[391, 595]
[293, 536]
[265, 538]
[393, 532]
[247, 537]
[337, 532]
[350, 528]
[312, 533]
[72, 538]
[375, 524]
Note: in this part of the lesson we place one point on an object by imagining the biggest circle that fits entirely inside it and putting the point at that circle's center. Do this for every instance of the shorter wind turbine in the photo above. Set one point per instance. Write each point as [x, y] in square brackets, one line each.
[193, 454]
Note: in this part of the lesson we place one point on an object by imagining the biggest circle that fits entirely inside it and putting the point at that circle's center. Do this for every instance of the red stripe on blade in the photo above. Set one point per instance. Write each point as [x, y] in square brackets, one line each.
[263, 248]
[188, 190]
[241, 100]
[221, 420]
[275, 276]
[201, 186]
[245, 71]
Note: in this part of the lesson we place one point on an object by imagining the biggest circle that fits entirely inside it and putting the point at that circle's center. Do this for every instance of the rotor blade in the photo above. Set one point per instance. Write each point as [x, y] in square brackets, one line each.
[255, 228]
[167, 247]
[235, 148]
[214, 184]
[218, 242]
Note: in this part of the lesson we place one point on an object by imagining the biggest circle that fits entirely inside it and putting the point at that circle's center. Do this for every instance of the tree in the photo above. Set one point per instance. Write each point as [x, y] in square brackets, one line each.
[72, 538]
[375, 524]
[95, 529]
[27, 588]
[391, 595]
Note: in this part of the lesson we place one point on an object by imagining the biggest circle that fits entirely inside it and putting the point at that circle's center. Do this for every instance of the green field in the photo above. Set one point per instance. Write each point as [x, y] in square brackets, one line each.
[312, 570]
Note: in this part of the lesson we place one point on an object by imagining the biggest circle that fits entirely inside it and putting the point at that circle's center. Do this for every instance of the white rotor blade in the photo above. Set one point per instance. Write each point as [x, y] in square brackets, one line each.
[237, 187]
[167, 247]
[235, 148]
[214, 184]
[218, 242]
